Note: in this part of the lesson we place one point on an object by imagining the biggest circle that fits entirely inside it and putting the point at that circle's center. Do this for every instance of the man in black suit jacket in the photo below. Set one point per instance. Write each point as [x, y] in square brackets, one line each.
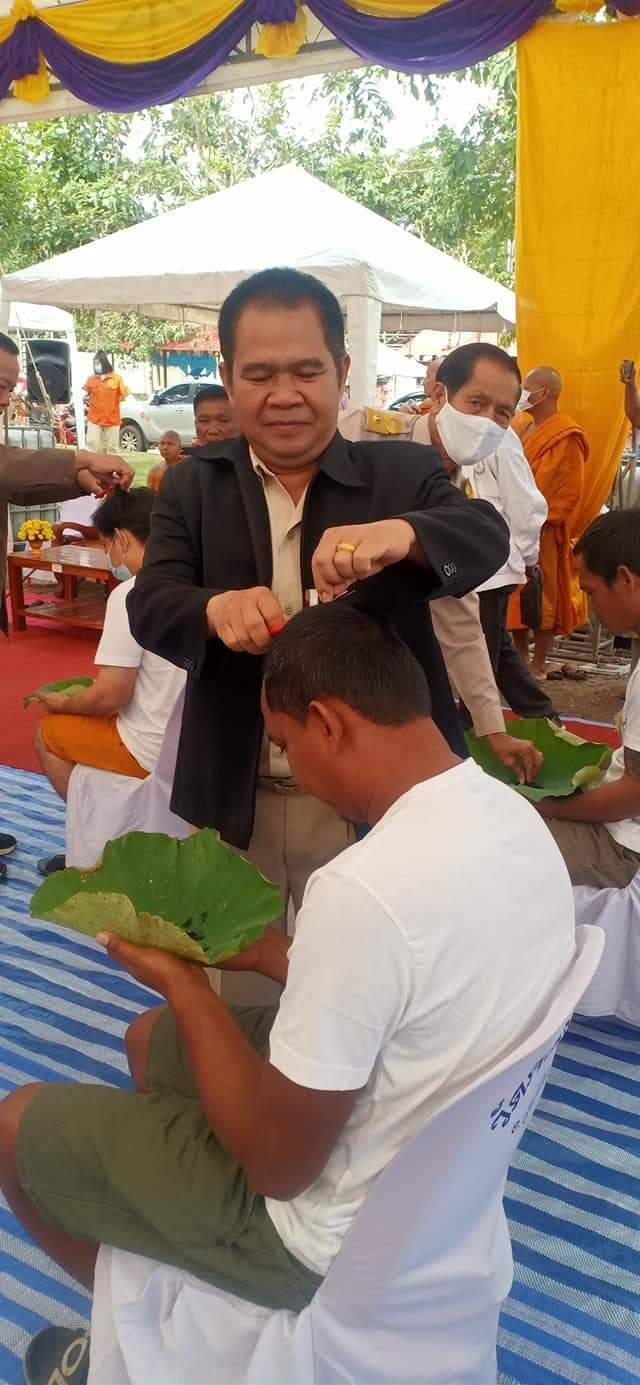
[244, 529]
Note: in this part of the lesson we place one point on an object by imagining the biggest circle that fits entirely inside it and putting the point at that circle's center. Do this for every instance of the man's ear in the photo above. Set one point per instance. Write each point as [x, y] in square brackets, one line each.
[324, 718]
[624, 574]
[343, 372]
[225, 376]
[438, 397]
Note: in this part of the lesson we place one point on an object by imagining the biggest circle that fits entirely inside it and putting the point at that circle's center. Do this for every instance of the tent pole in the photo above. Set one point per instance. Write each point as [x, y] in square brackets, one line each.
[364, 320]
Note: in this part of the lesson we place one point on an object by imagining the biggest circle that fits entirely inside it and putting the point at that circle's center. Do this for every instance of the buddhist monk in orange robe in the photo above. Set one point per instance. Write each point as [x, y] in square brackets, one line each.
[557, 450]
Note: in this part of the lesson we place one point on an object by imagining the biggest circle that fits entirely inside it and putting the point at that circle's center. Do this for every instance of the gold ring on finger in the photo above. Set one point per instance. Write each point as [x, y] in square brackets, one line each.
[345, 547]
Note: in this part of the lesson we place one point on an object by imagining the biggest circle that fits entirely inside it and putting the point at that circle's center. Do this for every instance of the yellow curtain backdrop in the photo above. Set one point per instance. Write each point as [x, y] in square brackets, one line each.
[577, 220]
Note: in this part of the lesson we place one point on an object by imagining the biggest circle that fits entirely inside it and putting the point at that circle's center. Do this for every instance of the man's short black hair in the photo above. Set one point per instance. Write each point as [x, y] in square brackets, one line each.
[282, 288]
[339, 651]
[612, 541]
[208, 392]
[458, 367]
[7, 344]
[125, 510]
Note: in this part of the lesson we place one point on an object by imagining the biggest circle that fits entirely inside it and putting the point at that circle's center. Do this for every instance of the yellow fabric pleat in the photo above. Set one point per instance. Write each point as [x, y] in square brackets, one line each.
[578, 212]
[579, 6]
[36, 86]
[124, 32]
[282, 40]
[396, 9]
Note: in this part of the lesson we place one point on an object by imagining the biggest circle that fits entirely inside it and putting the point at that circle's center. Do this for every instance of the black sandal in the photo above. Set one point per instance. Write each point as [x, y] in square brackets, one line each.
[57, 1355]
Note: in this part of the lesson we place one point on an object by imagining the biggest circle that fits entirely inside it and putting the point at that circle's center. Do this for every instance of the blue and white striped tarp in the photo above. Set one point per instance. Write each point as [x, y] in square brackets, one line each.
[573, 1196]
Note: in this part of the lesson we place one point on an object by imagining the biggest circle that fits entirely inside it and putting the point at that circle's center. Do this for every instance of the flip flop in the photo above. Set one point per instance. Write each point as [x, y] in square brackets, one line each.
[58, 1354]
[574, 673]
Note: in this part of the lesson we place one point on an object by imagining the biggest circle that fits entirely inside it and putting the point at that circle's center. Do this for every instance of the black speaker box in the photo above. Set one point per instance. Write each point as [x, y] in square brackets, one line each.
[53, 360]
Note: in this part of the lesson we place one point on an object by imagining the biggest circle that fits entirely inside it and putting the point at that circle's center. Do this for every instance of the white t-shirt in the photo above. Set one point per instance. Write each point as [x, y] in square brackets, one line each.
[422, 955]
[627, 831]
[142, 723]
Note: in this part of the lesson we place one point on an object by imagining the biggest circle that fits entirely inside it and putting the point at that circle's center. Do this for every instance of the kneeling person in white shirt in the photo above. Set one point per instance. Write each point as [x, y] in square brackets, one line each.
[117, 723]
[261, 1132]
[599, 832]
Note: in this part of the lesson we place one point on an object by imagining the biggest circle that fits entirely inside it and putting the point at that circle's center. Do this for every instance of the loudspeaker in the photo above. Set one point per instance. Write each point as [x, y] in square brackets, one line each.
[53, 359]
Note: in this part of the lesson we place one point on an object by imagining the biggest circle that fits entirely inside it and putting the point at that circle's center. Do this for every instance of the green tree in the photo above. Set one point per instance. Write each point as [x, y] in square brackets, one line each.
[65, 182]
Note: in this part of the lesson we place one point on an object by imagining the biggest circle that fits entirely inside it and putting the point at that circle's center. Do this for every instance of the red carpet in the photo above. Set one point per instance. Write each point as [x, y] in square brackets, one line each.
[41, 654]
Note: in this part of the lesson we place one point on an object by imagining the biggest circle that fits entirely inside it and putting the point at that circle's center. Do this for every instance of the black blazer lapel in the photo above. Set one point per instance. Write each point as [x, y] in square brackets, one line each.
[255, 505]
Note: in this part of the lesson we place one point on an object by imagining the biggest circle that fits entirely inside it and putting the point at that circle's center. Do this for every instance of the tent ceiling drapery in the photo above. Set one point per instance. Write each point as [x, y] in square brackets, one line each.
[181, 265]
[111, 54]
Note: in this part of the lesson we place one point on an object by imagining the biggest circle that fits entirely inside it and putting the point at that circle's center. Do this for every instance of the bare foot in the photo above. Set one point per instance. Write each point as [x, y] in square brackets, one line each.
[540, 674]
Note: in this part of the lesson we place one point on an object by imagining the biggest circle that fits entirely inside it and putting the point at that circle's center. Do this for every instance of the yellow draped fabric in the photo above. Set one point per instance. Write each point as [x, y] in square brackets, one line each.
[396, 9]
[578, 212]
[146, 30]
[282, 40]
[124, 32]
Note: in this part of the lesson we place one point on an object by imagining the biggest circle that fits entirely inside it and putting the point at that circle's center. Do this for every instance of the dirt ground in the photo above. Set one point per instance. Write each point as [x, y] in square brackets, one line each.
[599, 698]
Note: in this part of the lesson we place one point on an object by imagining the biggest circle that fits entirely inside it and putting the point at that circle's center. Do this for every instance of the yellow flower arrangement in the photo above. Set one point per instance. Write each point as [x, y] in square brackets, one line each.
[35, 531]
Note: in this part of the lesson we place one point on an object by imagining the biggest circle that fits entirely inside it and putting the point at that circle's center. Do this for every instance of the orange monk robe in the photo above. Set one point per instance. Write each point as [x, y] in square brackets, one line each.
[557, 452]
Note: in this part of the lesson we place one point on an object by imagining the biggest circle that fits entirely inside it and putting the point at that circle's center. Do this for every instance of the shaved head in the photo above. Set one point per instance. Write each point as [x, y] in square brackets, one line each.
[544, 377]
[170, 436]
[431, 374]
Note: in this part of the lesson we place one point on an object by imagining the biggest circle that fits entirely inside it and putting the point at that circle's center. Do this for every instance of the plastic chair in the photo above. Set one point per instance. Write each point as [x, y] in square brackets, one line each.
[615, 988]
[102, 805]
[414, 1295]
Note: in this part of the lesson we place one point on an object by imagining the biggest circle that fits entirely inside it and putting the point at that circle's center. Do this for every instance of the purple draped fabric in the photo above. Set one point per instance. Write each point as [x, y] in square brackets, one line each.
[122, 86]
[275, 11]
[455, 35]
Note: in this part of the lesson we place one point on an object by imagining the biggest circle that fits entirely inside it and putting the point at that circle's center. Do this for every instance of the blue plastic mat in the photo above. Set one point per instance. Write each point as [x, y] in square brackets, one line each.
[573, 1196]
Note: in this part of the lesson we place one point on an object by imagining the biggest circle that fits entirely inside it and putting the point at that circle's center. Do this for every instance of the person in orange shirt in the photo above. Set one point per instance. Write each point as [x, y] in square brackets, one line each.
[170, 449]
[557, 451]
[106, 390]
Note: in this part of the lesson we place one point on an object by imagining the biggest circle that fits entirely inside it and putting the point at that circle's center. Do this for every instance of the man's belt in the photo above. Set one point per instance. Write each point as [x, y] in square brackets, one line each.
[283, 786]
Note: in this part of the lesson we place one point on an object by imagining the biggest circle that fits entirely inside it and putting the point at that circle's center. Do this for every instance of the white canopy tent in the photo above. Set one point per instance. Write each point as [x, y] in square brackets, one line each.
[181, 266]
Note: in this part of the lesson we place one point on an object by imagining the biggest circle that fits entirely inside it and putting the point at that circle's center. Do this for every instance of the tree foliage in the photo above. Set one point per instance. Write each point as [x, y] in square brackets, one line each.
[64, 182]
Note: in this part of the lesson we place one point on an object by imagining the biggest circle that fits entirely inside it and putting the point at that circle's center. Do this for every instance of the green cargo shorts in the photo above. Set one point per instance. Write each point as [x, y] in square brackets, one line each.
[145, 1173]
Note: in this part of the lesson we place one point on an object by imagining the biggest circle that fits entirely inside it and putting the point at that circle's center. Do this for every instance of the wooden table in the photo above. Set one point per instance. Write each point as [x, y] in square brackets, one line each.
[70, 562]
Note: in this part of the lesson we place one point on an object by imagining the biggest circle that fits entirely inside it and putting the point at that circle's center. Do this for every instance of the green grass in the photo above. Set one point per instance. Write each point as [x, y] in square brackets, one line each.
[142, 463]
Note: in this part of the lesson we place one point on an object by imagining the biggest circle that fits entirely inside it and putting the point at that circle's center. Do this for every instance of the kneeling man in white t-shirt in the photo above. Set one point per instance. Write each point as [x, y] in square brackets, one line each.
[118, 723]
[599, 832]
[423, 955]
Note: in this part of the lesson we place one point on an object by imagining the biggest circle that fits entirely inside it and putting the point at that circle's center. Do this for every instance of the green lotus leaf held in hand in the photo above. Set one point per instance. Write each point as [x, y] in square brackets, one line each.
[196, 898]
[66, 685]
[569, 762]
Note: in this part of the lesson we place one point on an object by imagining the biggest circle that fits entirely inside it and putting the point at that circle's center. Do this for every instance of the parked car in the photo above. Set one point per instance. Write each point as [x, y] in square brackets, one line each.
[415, 397]
[144, 421]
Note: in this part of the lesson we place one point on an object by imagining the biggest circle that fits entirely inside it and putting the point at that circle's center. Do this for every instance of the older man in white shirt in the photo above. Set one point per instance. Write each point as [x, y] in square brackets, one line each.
[482, 383]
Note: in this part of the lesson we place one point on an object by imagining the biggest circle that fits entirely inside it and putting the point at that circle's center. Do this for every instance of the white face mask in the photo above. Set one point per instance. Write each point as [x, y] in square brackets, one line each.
[467, 438]
[525, 399]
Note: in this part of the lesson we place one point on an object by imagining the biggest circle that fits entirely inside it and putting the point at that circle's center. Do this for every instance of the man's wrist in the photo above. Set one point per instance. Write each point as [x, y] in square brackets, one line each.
[212, 609]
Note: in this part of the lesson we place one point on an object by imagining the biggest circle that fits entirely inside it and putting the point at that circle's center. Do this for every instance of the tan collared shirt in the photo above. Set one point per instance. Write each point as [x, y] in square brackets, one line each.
[285, 523]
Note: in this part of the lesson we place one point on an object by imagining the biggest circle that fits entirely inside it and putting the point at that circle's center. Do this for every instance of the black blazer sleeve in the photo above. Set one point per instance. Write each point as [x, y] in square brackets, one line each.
[168, 604]
[464, 541]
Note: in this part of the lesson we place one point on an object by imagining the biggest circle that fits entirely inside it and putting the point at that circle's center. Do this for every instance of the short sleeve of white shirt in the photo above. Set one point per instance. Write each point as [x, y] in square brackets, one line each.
[631, 713]
[349, 983]
[117, 647]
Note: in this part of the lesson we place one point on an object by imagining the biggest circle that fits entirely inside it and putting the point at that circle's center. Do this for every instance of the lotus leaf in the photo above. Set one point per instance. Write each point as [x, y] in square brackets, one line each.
[68, 685]
[569, 762]
[196, 898]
